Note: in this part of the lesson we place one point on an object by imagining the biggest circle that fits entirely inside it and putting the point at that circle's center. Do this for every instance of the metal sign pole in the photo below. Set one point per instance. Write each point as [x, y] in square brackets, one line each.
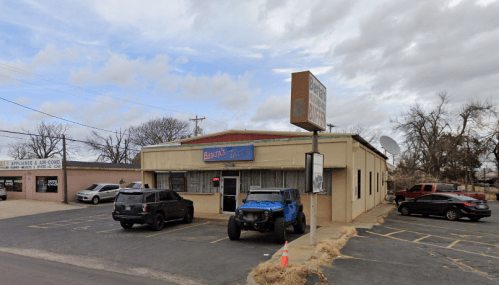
[313, 198]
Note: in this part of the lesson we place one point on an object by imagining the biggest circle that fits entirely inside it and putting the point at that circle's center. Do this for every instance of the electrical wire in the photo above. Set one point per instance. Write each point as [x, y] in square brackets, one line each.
[29, 73]
[73, 122]
[68, 139]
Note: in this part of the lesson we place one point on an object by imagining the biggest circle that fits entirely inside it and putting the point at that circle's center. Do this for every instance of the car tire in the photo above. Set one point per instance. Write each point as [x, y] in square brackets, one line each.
[95, 200]
[280, 230]
[158, 223]
[189, 216]
[451, 215]
[474, 219]
[301, 223]
[126, 225]
[233, 229]
[405, 211]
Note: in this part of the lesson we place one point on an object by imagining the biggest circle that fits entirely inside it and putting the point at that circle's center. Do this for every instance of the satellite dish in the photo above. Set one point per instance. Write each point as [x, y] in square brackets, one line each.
[389, 145]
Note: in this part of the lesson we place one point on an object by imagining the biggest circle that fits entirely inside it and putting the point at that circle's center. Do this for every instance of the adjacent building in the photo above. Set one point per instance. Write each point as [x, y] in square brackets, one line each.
[216, 171]
[43, 179]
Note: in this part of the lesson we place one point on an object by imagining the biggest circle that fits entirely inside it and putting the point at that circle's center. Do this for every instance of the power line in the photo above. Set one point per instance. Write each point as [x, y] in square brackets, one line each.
[73, 122]
[29, 73]
[73, 140]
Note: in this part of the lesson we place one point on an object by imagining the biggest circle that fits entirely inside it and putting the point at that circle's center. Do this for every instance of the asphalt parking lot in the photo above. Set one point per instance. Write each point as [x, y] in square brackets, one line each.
[418, 250]
[196, 253]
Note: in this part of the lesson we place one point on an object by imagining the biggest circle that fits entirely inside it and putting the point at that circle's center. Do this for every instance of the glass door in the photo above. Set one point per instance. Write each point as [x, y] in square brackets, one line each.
[229, 194]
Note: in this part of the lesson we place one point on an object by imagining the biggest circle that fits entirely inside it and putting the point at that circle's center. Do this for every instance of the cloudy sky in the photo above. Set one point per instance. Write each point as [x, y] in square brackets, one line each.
[113, 64]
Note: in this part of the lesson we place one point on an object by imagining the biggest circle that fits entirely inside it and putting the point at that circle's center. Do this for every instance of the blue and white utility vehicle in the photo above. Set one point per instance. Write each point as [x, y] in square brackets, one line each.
[269, 210]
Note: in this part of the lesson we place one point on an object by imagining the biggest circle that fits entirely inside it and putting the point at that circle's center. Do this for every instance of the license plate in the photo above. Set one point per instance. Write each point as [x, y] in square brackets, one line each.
[128, 208]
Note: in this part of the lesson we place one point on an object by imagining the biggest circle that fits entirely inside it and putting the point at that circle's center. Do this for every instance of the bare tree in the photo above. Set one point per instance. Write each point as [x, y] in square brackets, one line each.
[113, 148]
[370, 134]
[19, 151]
[434, 135]
[159, 131]
[44, 142]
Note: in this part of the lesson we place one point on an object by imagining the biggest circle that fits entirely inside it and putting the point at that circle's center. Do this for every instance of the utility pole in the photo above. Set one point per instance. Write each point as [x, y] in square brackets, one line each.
[196, 120]
[64, 169]
[331, 126]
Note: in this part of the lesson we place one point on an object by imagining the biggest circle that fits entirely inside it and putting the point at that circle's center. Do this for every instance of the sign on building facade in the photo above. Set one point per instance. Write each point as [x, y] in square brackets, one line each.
[31, 164]
[229, 153]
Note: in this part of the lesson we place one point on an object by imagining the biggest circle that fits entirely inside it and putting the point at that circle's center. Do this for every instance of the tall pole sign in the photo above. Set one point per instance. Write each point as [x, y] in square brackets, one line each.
[308, 111]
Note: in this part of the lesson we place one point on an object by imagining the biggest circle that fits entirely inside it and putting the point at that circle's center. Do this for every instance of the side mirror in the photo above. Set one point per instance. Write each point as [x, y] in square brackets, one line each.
[244, 200]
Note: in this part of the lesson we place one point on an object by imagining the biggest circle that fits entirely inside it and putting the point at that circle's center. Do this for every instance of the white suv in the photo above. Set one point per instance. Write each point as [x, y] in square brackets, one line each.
[98, 192]
[3, 193]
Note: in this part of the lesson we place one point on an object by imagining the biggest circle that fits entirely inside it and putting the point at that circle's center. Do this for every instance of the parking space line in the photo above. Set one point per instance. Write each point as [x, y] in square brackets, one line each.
[401, 231]
[225, 238]
[453, 243]
[108, 230]
[422, 238]
[70, 222]
[160, 233]
[434, 245]
[471, 241]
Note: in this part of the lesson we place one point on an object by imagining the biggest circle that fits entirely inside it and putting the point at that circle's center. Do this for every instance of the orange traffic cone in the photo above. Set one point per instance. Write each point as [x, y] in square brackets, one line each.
[284, 259]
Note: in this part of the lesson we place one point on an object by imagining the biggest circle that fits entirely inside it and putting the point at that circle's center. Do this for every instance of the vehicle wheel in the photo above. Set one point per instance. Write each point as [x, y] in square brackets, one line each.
[158, 223]
[301, 223]
[95, 200]
[233, 229]
[451, 215]
[126, 225]
[280, 230]
[405, 211]
[189, 215]
[474, 219]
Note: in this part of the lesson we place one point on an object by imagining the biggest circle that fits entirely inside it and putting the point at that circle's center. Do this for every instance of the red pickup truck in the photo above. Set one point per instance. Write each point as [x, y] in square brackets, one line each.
[427, 188]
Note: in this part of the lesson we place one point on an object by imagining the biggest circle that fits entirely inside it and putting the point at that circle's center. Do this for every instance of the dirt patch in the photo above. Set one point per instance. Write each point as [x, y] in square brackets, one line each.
[326, 251]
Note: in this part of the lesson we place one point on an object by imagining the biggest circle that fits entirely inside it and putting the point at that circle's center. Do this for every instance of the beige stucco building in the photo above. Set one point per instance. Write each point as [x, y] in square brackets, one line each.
[241, 160]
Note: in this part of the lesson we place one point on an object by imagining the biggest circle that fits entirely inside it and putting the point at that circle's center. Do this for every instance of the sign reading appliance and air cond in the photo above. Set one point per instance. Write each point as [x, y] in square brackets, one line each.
[228, 153]
[308, 102]
[31, 164]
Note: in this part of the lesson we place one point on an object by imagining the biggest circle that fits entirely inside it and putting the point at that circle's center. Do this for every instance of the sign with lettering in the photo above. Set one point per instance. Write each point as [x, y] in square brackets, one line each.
[228, 153]
[308, 102]
[31, 164]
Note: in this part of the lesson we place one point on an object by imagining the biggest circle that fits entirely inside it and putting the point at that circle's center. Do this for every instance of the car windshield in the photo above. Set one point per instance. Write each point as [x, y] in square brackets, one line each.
[130, 198]
[92, 187]
[134, 185]
[264, 196]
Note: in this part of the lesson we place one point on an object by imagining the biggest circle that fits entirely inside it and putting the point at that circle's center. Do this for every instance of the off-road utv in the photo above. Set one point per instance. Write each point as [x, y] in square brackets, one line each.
[269, 210]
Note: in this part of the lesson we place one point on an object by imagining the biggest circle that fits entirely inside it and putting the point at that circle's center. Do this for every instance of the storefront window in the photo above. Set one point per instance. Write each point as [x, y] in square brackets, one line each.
[46, 184]
[13, 184]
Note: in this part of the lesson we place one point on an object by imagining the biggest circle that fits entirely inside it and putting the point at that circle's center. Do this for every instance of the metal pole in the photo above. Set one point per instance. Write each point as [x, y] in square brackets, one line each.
[313, 198]
[64, 169]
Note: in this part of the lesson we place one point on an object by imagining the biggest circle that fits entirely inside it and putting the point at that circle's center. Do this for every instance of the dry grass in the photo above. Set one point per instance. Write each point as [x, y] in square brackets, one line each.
[274, 274]
[266, 273]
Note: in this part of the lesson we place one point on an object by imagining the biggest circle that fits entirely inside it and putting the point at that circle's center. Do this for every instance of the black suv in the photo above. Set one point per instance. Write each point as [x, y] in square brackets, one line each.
[269, 210]
[151, 206]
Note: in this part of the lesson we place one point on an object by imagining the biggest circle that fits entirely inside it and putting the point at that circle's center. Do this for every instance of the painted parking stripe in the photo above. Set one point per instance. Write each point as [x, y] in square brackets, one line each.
[160, 233]
[421, 238]
[470, 241]
[387, 235]
[63, 223]
[453, 243]
[434, 245]
[225, 238]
